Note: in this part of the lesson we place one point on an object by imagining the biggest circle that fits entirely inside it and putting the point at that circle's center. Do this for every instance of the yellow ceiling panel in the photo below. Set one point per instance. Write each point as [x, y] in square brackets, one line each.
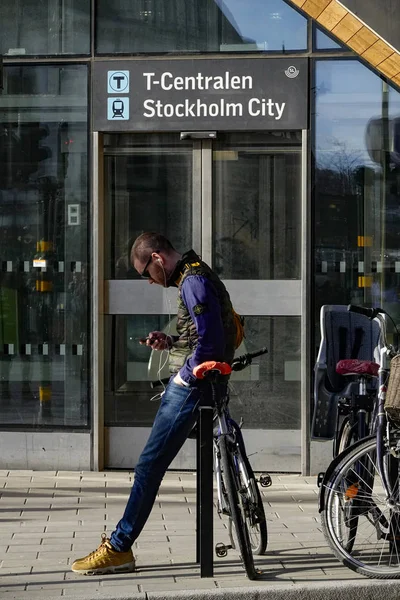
[391, 66]
[347, 27]
[377, 53]
[332, 14]
[315, 7]
[362, 40]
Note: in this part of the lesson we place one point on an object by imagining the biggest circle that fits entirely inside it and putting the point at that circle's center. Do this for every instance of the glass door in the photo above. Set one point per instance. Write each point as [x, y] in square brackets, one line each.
[237, 201]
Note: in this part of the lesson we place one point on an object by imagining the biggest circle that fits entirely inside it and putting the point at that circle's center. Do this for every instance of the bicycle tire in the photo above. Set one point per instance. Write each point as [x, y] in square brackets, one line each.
[376, 549]
[255, 514]
[346, 436]
[231, 486]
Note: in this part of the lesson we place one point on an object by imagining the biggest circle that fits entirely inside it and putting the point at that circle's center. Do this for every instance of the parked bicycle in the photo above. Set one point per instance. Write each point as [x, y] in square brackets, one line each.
[238, 495]
[359, 498]
[345, 376]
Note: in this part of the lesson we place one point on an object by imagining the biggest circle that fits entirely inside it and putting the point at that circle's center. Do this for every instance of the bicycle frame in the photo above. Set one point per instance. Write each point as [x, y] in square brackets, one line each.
[382, 424]
[229, 428]
[226, 426]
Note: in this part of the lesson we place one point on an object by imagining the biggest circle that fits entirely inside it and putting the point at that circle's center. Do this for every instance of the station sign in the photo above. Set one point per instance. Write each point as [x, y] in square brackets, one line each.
[201, 94]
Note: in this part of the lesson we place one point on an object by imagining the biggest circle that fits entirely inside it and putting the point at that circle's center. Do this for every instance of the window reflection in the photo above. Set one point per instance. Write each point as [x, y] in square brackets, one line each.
[266, 394]
[148, 188]
[325, 42]
[34, 27]
[257, 205]
[357, 189]
[44, 280]
[199, 26]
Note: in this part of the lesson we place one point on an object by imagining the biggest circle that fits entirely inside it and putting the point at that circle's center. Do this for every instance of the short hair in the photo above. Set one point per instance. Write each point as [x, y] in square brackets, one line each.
[149, 242]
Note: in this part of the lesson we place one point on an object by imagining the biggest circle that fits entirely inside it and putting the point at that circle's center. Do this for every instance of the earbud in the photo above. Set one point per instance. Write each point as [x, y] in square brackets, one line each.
[160, 261]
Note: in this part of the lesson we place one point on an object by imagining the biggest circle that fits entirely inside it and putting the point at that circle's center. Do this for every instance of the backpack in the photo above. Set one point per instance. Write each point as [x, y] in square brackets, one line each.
[239, 325]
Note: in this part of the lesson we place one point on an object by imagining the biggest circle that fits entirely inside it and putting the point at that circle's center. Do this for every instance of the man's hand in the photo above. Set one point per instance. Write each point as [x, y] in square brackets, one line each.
[157, 340]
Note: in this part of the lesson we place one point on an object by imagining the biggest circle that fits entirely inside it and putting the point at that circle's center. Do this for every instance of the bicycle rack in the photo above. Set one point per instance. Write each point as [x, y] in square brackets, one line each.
[204, 492]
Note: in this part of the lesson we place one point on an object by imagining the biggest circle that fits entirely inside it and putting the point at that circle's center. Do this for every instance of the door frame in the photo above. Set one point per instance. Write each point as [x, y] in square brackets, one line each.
[99, 288]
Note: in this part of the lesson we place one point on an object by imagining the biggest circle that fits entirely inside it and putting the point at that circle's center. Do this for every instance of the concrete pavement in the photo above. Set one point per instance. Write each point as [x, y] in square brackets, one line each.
[47, 519]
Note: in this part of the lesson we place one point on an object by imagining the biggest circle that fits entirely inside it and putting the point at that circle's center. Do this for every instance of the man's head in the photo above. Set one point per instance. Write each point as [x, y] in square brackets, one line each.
[154, 257]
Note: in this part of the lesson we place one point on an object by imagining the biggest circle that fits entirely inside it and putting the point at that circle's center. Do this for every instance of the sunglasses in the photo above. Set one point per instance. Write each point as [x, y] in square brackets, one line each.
[144, 273]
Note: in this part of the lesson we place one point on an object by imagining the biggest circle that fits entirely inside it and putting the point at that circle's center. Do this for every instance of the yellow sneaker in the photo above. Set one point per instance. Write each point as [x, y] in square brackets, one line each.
[105, 560]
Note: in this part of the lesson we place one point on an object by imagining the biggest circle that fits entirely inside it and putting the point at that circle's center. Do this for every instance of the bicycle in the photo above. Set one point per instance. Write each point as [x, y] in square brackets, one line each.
[359, 498]
[358, 423]
[238, 495]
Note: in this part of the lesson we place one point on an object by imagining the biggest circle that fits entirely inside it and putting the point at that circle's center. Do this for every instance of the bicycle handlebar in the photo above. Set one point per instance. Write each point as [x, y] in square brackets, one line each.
[241, 362]
[238, 364]
[370, 313]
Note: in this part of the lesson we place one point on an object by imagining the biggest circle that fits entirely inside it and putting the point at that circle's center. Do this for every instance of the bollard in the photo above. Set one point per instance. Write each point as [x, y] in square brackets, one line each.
[204, 492]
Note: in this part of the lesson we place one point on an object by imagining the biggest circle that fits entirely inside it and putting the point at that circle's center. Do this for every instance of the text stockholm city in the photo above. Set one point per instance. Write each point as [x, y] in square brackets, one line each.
[255, 107]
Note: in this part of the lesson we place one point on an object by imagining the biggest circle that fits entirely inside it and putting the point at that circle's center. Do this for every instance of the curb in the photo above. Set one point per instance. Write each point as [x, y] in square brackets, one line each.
[368, 589]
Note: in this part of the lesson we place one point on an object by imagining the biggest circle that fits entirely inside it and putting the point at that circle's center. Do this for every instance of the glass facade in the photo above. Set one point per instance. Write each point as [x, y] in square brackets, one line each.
[154, 26]
[44, 27]
[257, 193]
[357, 218]
[149, 182]
[44, 301]
[152, 181]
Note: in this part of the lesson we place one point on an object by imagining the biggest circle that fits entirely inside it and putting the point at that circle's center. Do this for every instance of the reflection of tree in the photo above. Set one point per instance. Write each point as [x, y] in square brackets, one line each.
[339, 180]
[338, 168]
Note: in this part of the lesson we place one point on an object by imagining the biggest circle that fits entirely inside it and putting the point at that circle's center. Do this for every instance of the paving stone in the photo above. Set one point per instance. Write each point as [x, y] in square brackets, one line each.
[65, 513]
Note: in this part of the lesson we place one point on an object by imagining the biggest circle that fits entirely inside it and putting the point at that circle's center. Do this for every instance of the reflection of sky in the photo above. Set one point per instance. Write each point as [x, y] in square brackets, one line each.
[324, 42]
[348, 96]
[271, 23]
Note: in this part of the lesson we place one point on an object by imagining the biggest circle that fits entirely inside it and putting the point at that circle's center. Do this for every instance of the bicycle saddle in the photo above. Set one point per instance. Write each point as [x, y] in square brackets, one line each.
[211, 365]
[351, 366]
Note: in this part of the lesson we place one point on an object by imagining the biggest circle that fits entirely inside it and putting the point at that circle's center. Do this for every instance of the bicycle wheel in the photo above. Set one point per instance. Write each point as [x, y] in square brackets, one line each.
[375, 551]
[346, 438]
[236, 513]
[253, 504]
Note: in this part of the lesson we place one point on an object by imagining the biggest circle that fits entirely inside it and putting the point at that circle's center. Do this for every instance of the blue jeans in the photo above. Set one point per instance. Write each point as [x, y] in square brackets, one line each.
[175, 418]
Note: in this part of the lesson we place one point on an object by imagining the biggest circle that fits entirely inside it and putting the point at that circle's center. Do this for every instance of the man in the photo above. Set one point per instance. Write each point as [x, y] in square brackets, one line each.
[206, 331]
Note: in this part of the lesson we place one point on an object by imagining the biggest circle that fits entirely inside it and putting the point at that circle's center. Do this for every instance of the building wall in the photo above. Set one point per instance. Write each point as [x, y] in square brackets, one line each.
[45, 219]
[383, 17]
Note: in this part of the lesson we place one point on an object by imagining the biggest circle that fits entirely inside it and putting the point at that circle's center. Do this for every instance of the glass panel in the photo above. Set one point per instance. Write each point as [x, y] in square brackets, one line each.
[44, 27]
[325, 42]
[266, 395]
[148, 188]
[357, 188]
[257, 205]
[129, 398]
[198, 26]
[44, 321]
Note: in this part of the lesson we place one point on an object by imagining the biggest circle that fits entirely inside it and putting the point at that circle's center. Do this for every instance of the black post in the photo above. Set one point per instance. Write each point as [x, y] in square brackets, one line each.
[204, 495]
